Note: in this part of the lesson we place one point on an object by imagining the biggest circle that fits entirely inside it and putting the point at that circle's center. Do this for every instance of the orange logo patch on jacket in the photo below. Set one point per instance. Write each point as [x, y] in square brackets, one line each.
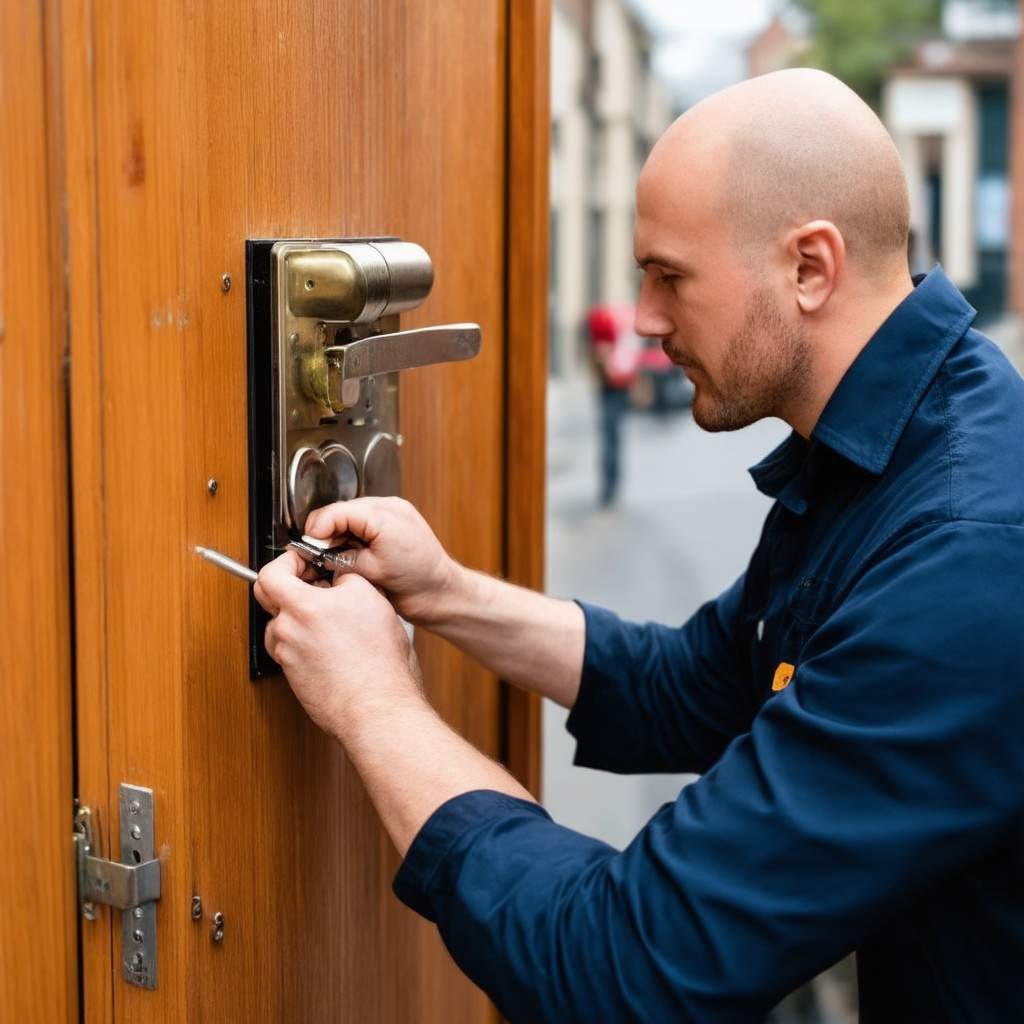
[783, 676]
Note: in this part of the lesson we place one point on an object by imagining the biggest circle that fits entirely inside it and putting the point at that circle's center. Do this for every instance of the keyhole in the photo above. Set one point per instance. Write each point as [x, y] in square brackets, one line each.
[310, 284]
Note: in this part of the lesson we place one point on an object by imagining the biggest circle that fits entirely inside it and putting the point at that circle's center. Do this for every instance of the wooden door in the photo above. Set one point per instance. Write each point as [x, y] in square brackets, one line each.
[184, 129]
[38, 966]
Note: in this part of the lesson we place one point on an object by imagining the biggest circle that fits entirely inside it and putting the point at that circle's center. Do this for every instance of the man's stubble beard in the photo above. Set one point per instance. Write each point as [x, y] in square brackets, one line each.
[766, 366]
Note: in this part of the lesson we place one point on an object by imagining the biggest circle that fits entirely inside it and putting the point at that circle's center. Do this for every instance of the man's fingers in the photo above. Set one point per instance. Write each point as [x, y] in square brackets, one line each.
[280, 581]
[263, 599]
[356, 517]
[270, 639]
[310, 573]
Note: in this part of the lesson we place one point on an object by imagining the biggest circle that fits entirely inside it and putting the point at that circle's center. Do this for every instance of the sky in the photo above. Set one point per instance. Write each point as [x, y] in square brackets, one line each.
[700, 44]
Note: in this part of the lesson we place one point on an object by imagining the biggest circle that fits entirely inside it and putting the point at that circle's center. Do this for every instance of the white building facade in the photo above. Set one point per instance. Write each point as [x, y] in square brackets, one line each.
[947, 111]
[608, 107]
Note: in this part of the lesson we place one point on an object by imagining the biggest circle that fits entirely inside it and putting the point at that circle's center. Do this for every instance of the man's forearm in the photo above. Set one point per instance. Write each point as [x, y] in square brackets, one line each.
[412, 762]
[533, 641]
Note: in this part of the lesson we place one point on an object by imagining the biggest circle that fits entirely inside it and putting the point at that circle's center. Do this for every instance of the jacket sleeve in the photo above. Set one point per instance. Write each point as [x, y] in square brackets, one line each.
[892, 758]
[654, 698]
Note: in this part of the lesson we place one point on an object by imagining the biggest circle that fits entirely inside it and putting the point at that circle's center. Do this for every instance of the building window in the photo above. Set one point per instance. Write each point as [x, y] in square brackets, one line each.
[991, 201]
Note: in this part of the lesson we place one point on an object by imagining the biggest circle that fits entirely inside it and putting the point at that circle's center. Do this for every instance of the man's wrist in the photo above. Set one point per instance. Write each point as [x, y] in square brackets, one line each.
[412, 762]
[450, 600]
[368, 714]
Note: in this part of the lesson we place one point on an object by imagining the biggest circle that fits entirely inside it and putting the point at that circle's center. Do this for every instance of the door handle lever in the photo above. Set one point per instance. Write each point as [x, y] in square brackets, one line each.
[347, 364]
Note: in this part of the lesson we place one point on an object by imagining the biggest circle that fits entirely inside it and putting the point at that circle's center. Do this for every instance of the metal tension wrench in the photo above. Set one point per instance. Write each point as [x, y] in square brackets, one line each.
[227, 564]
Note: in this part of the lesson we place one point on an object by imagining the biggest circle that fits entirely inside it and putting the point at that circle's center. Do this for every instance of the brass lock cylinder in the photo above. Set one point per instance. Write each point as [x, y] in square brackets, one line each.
[357, 282]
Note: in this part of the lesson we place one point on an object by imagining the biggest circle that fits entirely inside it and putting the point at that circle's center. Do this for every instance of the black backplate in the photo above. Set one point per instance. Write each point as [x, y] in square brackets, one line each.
[262, 353]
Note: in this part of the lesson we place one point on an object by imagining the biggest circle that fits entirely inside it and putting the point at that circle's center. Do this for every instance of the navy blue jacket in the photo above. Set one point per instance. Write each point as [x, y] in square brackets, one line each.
[855, 702]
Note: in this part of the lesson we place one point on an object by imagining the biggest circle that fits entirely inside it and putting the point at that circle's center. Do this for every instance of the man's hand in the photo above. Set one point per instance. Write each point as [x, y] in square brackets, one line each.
[350, 663]
[342, 647]
[525, 638]
[402, 556]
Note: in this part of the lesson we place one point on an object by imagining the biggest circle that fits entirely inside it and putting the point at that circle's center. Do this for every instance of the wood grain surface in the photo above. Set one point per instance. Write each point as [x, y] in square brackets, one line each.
[38, 969]
[190, 127]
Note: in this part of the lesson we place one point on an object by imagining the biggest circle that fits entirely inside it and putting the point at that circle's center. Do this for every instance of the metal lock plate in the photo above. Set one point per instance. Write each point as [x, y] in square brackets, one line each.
[131, 885]
[138, 924]
[324, 359]
[328, 297]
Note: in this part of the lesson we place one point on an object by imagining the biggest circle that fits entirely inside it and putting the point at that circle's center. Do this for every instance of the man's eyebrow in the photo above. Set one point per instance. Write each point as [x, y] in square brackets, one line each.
[661, 260]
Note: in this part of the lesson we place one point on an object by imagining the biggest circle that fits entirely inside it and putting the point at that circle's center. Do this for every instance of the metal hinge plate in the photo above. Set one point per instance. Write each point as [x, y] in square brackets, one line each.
[131, 885]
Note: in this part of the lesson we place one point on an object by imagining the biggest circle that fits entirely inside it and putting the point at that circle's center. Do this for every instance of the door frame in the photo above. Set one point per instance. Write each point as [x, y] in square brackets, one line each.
[526, 345]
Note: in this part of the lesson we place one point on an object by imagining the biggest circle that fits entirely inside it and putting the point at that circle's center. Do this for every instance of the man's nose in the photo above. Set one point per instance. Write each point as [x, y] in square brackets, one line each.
[648, 320]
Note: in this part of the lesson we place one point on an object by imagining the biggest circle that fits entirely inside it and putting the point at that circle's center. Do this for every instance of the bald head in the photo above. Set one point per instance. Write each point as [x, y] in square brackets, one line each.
[788, 148]
[771, 226]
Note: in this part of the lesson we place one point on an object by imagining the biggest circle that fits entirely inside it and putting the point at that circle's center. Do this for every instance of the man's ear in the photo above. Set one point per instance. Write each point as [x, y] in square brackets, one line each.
[818, 251]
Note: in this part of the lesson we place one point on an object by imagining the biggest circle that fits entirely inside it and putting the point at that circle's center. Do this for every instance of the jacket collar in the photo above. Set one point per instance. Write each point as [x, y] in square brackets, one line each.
[784, 473]
[870, 408]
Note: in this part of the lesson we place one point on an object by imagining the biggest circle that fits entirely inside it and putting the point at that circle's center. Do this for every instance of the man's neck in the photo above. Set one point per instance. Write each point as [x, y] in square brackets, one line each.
[837, 344]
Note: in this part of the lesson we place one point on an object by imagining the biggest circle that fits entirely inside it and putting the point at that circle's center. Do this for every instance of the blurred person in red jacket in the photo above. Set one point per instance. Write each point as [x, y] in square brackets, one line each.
[616, 350]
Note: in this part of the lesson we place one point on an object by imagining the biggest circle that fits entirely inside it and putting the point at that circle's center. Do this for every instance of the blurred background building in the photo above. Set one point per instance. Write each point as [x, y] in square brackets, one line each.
[607, 108]
[947, 107]
[948, 80]
[946, 102]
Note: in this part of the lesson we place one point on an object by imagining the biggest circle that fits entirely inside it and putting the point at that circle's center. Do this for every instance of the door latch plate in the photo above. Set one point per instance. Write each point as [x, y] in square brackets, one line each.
[131, 885]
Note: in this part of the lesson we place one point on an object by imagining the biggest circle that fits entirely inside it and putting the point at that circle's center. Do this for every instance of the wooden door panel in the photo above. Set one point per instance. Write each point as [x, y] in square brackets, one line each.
[38, 953]
[214, 122]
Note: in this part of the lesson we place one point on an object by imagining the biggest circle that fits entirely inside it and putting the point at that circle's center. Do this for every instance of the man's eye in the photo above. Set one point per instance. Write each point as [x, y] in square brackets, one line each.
[667, 278]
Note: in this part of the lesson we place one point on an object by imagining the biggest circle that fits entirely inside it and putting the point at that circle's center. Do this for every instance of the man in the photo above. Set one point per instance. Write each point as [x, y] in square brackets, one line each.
[615, 347]
[854, 701]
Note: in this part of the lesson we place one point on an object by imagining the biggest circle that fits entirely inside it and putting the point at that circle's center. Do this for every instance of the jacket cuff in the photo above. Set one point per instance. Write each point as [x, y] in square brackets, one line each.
[420, 883]
[600, 721]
